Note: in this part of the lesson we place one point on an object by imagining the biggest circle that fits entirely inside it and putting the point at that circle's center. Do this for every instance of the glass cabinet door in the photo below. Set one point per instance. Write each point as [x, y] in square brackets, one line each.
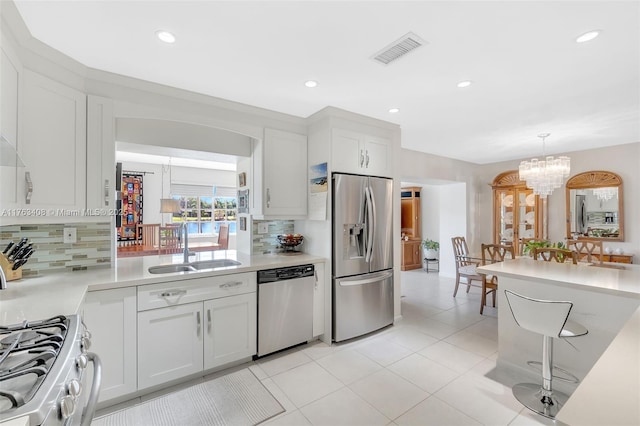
[518, 212]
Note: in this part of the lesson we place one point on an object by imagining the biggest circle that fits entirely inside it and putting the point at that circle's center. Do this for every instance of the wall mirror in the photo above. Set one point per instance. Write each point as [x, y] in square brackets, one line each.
[595, 206]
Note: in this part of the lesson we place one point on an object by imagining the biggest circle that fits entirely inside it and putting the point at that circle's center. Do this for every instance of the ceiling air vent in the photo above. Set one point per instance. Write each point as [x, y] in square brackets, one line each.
[398, 48]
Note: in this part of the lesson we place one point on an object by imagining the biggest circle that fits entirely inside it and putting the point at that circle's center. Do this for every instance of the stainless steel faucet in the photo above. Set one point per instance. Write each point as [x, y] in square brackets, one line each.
[3, 279]
[185, 236]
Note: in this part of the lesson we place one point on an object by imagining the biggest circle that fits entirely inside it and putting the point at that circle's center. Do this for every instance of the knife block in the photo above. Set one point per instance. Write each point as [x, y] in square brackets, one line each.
[8, 272]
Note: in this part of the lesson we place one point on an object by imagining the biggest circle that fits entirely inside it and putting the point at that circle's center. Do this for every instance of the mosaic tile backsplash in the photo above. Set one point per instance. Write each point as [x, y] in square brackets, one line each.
[92, 249]
[267, 243]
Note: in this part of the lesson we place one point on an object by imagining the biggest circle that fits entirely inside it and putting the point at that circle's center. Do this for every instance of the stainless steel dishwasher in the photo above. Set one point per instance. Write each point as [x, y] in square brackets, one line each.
[285, 307]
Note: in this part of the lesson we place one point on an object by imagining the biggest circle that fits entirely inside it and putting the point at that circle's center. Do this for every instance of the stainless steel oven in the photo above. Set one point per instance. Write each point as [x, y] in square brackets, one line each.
[47, 373]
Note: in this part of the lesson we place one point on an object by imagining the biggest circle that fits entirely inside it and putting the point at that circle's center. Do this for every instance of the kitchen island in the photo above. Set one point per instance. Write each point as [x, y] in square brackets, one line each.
[63, 293]
[607, 302]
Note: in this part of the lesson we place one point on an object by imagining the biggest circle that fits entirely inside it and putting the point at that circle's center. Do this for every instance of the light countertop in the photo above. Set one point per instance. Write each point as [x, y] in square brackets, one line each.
[610, 393]
[53, 294]
[622, 282]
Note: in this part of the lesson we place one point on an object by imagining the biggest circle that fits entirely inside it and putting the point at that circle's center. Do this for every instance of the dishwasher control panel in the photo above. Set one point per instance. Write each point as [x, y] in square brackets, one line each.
[279, 274]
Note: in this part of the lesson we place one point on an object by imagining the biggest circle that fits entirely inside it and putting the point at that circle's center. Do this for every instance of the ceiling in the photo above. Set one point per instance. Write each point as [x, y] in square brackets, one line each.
[529, 75]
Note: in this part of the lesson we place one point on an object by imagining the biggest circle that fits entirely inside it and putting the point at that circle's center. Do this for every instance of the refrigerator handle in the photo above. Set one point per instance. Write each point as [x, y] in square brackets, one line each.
[371, 219]
[369, 280]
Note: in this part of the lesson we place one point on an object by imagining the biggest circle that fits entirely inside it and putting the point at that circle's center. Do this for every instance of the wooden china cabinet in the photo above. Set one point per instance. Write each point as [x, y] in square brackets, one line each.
[410, 224]
[518, 214]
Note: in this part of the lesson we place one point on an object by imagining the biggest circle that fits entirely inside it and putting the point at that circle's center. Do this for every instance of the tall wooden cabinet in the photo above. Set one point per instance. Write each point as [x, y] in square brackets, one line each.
[410, 227]
[518, 214]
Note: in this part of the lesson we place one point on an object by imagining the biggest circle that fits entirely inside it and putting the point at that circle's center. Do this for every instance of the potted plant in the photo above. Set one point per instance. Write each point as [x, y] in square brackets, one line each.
[430, 249]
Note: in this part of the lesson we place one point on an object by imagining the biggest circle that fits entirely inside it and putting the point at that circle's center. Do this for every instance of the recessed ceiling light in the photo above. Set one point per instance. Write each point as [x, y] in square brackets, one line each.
[394, 110]
[311, 83]
[465, 83]
[588, 36]
[166, 36]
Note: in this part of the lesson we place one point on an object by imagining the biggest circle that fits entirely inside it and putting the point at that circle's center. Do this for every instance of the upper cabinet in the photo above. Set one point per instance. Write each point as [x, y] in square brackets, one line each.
[595, 206]
[10, 70]
[101, 162]
[52, 144]
[358, 153]
[280, 175]
[518, 214]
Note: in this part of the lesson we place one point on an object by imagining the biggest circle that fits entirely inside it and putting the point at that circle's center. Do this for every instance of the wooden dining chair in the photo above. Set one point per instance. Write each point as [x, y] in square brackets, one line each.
[170, 238]
[223, 237]
[465, 265]
[493, 253]
[587, 250]
[525, 241]
[551, 254]
[150, 236]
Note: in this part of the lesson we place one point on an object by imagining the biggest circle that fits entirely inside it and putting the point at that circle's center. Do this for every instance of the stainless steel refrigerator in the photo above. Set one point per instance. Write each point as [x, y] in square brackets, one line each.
[362, 255]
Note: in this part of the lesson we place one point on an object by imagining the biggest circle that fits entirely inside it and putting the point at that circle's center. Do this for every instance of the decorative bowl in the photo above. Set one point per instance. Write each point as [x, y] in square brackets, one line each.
[290, 240]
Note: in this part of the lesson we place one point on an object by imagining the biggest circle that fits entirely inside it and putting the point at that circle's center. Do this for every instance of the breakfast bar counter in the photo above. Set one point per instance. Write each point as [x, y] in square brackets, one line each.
[607, 302]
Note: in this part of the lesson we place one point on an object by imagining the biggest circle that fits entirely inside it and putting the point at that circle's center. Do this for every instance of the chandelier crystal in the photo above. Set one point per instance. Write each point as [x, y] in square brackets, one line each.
[605, 194]
[543, 176]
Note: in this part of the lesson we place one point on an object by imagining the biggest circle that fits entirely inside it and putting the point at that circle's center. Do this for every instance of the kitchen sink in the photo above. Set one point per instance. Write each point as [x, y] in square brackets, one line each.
[193, 266]
[166, 269]
[217, 263]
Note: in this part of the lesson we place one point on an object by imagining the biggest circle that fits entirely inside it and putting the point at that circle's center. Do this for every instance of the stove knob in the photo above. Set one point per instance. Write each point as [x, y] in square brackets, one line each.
[82, 362]
[67, 407]
[74, 388]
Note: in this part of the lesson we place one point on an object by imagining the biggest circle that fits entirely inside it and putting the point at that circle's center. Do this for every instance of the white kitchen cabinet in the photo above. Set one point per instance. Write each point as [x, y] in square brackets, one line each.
[280, 175]
[354, 152]
[192, 325]
[169, 344]
[230, 329]
[52, 144]
[10, 69]
[319, 300]
[101, 152]
[110, 316]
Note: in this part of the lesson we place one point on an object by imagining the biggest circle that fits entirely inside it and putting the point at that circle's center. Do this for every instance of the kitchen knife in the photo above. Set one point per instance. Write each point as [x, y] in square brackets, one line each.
[8, 247]
[18, 264]
[18, 253]
[28, 254]
[17, 247]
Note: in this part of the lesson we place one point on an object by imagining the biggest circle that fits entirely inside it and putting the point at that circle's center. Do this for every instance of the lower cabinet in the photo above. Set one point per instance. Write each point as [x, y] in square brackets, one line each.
[230, 329]
[203, 323]
[169, 344]
[110, 316]
[411, 255]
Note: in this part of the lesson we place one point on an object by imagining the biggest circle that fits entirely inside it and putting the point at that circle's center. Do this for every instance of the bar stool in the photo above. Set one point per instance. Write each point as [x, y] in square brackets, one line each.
[551, 319]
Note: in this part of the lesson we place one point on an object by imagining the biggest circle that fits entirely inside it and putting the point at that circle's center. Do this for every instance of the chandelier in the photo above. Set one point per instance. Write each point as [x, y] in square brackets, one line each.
[543, 176]
[605, 194]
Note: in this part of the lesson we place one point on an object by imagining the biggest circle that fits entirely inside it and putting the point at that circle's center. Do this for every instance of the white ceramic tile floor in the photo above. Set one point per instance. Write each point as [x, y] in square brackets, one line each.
[435, 366]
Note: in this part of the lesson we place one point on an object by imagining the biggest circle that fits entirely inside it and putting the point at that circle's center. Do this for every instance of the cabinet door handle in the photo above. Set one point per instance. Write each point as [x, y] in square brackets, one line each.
[268, 198]
[209, 320]
[173, 293]
[231, 284]
[106, 192]
[361, 157]
[198, 324]
[29, 187]
[367, 159]
[315, 273]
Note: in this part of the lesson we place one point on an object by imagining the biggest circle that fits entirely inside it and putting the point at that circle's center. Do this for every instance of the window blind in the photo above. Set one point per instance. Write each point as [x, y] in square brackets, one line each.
[202, 190]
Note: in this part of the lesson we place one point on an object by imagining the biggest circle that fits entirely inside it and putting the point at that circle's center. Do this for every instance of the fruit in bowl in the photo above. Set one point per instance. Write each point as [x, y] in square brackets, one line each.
[290, 240]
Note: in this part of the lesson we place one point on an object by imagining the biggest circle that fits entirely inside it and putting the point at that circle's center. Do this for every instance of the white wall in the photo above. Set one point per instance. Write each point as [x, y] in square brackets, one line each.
[453, 214]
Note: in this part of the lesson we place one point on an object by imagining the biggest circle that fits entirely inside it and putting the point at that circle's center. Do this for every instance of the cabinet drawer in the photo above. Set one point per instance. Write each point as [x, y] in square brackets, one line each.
[173, 293]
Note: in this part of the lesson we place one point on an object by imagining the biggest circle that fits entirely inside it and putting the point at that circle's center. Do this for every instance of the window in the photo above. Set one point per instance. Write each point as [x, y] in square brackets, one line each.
[204, 213]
